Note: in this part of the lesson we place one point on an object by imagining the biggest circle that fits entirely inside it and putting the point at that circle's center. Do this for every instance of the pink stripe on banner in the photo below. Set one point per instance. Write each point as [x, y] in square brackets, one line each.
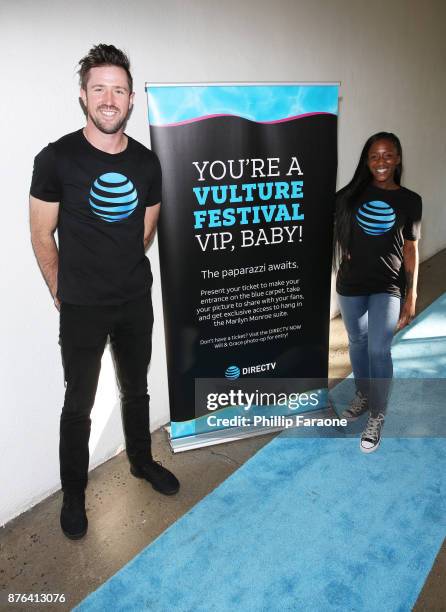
[195, 119]
[296, 117]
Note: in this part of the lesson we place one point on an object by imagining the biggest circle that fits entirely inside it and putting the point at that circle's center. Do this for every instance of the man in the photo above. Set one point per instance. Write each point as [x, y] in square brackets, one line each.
[101, 190]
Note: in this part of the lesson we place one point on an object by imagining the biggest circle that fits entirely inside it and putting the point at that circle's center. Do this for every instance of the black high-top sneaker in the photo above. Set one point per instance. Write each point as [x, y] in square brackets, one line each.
[159, 477]
[73, 518]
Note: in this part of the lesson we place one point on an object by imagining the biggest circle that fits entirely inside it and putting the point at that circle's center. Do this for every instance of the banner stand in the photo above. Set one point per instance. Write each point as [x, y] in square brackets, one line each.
[245, 243]
[179, 445]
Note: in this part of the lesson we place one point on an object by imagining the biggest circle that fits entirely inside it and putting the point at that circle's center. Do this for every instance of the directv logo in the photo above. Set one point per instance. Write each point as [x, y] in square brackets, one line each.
[232, 372]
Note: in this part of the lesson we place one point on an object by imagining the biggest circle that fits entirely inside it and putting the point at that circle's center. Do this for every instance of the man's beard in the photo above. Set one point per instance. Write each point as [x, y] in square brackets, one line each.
[107, 128]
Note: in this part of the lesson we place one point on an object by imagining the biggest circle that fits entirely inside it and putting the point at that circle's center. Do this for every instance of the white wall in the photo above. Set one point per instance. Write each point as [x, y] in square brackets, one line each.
[389, 56]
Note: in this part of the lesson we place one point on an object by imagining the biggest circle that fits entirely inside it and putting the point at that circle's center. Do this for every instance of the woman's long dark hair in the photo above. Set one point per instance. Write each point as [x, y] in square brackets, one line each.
[348, 195]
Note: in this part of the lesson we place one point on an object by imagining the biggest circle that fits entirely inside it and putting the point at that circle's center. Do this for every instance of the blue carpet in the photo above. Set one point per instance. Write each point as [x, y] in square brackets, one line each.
[304, 525]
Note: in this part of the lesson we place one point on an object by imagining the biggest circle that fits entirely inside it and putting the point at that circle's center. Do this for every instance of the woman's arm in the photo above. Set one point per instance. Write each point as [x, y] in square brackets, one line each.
[410, 262]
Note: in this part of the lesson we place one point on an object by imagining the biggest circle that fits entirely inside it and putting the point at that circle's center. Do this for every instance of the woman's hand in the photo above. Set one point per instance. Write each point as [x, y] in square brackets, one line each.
[407, 312]
[410, 260]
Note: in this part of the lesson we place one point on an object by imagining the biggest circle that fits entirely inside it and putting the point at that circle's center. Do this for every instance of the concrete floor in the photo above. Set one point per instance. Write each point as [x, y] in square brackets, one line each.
[126, 514]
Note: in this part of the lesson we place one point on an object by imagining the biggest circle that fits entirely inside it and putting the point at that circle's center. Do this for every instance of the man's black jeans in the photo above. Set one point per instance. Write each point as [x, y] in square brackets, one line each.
[83, 335]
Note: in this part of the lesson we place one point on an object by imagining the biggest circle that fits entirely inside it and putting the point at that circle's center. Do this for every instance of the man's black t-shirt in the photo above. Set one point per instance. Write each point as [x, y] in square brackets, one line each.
[382, 220]
[103, 198]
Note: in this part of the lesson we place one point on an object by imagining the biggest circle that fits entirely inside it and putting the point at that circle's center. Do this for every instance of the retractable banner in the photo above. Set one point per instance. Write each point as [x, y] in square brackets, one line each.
[245, 238]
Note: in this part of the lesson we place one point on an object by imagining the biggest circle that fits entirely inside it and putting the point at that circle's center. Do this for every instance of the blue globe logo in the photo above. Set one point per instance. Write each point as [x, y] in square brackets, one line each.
[113, 197]
[376, 218]
[232, 372]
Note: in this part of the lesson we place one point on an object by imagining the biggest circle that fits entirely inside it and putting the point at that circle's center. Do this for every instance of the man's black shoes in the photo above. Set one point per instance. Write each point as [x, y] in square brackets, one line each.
[73, 518]
[159, 477]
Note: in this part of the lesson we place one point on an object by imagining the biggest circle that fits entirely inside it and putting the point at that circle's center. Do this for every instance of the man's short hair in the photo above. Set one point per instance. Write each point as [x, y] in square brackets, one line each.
[103, 55]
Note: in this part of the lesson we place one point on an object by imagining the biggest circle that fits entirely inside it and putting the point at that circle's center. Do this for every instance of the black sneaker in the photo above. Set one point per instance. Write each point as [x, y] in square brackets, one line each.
[159, 477]
[371, 436]
[357, 407]
[73, 518]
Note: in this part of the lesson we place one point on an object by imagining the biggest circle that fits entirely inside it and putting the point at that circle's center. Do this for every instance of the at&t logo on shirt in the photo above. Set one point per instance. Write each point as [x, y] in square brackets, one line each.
[113, 197]
[375, 218]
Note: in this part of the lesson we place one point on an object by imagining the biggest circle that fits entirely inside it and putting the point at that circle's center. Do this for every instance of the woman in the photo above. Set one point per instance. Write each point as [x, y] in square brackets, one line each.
[376, 238]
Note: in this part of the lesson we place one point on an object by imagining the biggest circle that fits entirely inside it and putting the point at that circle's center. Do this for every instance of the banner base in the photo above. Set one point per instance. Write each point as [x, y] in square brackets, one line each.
[179, 445]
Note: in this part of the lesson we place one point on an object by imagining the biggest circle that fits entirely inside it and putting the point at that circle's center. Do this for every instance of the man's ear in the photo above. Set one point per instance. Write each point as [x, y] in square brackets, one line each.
[83, 96]
[131, 100]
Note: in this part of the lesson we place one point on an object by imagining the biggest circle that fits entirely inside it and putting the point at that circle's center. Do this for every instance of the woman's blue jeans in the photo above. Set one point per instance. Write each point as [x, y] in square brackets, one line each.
[370, 321]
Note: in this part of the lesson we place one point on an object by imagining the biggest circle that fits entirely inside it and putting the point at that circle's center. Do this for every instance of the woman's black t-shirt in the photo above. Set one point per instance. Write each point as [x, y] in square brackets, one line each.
[382, 219]
[103, 198]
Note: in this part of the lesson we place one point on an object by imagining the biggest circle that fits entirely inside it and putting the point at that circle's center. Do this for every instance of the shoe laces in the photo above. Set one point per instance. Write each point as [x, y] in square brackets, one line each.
[358, 403]
[373, 427]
